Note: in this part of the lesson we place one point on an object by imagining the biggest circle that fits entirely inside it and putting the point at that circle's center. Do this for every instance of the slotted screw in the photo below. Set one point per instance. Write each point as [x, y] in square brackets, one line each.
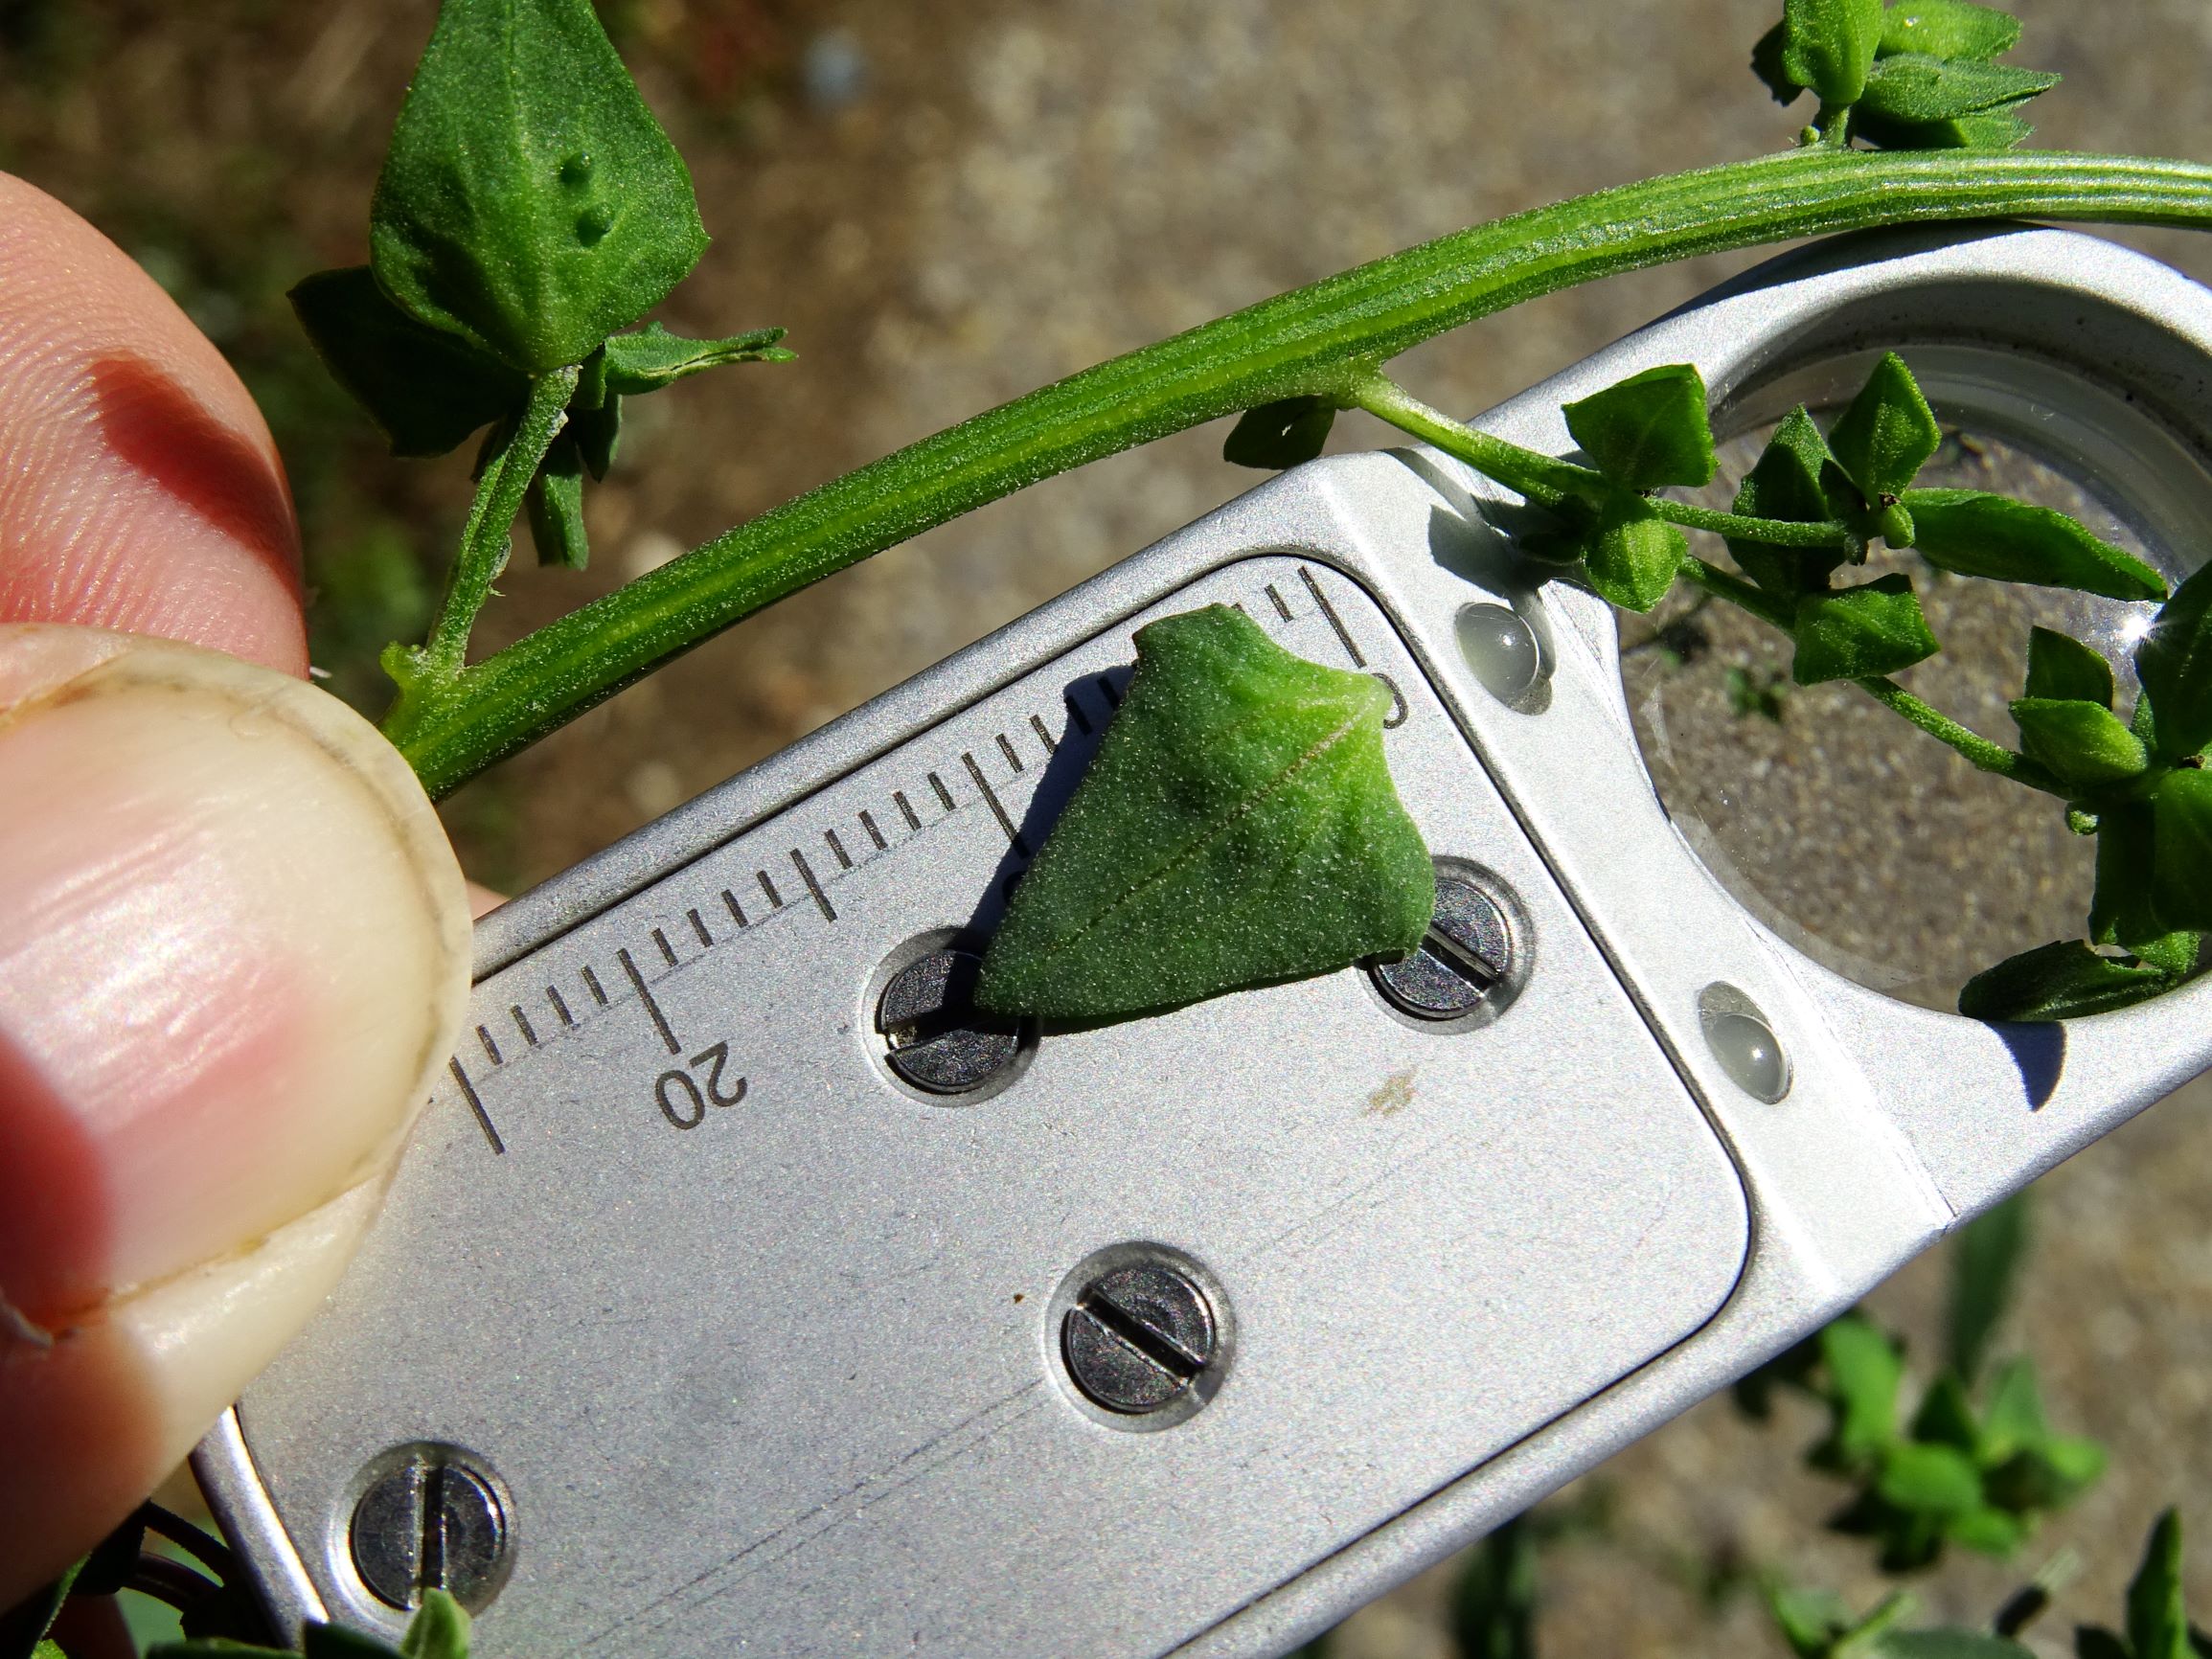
[432, 1521]
[1138, 1338]
[937, 1040]
[1465, 957]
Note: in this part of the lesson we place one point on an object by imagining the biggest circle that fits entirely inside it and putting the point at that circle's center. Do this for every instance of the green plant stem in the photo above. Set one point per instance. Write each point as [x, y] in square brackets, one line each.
[485, 538]
[1549, 482]
[1316, 341]
[1769, 609]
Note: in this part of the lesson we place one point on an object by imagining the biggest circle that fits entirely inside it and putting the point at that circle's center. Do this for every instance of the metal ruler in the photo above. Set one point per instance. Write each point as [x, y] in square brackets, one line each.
[737, 1297]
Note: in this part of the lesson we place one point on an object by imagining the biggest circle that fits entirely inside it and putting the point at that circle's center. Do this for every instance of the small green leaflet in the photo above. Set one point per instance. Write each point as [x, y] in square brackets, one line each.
[2084, 743]
[554, 504]
[1827, 45]
[1633, 555]
[2060, 980]
[2059, 665]
[1786, 484]
[1647, 431]
[1948, 29]
[1279, 435]
[2175, 664]
[1918, 89]
[1976, 534]
[530, 201]
[1886, 435]
[631, 365]
[2157, 1621]
[2121, 912]
[1864, 1370]
[428, 389]
[1238, 826]
[439, 1629]
[1931, 1480]
[2181, 864]
[1861, 632]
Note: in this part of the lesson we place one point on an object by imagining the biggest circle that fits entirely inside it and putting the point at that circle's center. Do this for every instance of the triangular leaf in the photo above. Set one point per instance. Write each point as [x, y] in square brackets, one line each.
[2060, 980]
[2084, 743]
[529, 200]
[652, 358]
[1915, 87]
[2158, 1625]
[1864, 1368]
[1978, 533]
[2181, 858]
[2015, 1411]
[1633, 555]
[426, 388]
[1237, 825]
[1830, 46]
[1944, 1418]
[439, 1629]
[1929, 1480]
[1279, 435]
[2175, 664]
[1948, 29]
[1647, 431]
[1786, 484]
[556, 507]
[1857, 632]
[1886, 433]
[2059, 665]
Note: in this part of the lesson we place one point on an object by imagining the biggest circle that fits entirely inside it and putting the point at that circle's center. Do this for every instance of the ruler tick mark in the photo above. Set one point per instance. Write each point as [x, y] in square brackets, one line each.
[591, 981]
[906, 808]
[735, 910]
[844, 858]
[699, 928]
[1075, 714]
[476, 1105]
[644, 995]
[1343, 634]
[490, 1047]
[1043, 734]
[1281, 609]
[522, 1024]
[1007, 749]
[768, 887]
[806, 874]
[666, 950]
[997, 808]
[560, 1006]
[943, 793]
[875, 835]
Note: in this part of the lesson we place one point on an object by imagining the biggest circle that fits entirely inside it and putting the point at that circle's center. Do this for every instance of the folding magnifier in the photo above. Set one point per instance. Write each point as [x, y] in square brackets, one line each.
[737, 1297]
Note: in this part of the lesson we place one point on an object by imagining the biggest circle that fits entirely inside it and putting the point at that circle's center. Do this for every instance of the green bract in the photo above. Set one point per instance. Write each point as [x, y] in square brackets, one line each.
[2063, 667]
[1648, 430]
[530, 201]
[1827, 45]
[1632, 557]
[1886, 435]
[1976, 534]
[1917, 89]
[1861, 632]
[2081, 742]
[1237, 825]
[1948, 29]
[2174, 665]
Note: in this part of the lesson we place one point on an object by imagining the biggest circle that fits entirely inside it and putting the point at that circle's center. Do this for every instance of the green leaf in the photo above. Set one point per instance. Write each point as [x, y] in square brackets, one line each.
[2181, 857]
[439, 1629]
[2016, 1409]
[555, 505]
[1945, 1417]
[337, 1642]
[2158, 1625]
[1929, 1480]
[652, 358]
[1989, 1529]
[2175, 664]
[2122, 912]
[1647, 431]
[2084, 743]
[2063, 667]
[1278, 435]
[1864, 1368]
[1768, 63]
[23, 1627]
[1991, 129]
[1946, 1645]
[428, 390]
[529, 200]
[2175, 952]
[1811, 1621]
[1493, 1603]
[1986, 1255]
[1857, 632]
[1948, 29]
[1830, 46]
[1238, 825]
[1786, 484]
[1918, 88]
[2060, 980]
[1886, 435]
[1633, 555]
[1975, 534]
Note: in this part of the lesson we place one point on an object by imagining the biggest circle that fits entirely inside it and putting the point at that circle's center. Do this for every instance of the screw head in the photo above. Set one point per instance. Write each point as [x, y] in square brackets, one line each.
[431, 1518]
[1465, 957]
[937, 1042]
[1139, 1338]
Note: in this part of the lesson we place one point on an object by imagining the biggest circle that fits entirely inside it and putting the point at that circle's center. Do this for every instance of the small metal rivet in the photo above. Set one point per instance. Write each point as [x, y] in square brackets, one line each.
[431, 1520]
[1139, 1338]
[1500, 649]
[1744, 1042]
[937, 1041]
[1466, 955]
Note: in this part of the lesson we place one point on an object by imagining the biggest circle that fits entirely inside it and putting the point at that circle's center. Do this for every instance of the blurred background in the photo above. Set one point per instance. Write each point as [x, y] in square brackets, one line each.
[949, 202]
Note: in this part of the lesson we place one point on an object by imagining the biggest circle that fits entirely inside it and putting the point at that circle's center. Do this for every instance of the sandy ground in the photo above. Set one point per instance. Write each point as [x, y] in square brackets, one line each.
[949, 204]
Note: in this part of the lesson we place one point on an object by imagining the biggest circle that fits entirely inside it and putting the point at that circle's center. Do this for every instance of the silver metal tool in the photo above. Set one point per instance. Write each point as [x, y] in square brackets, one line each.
[743, 1294]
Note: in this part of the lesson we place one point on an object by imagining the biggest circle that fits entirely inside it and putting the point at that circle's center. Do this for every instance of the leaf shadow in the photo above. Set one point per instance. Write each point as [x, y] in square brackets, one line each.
[2039, 1053]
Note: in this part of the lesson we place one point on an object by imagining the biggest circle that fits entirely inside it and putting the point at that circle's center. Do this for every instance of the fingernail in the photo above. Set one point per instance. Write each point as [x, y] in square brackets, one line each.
[233, 947]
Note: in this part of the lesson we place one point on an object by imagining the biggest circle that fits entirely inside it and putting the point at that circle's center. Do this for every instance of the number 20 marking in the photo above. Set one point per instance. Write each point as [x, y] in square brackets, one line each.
[683, 1101]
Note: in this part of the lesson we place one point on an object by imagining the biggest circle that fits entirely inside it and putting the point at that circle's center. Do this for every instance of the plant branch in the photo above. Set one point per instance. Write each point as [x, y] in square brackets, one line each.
[1769, 609]
[1313, 341]
[1980, 753]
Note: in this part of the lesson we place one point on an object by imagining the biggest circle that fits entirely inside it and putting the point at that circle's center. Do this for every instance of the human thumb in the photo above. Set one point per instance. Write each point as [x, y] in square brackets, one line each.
[234, 944]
